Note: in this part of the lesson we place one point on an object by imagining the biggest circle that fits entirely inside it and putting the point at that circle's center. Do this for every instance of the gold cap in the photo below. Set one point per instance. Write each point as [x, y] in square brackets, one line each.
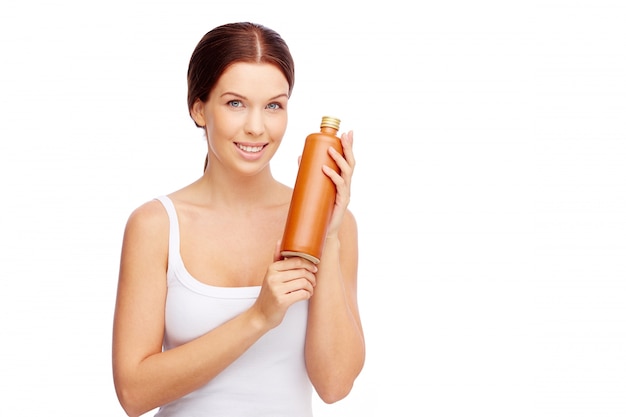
[332, 122]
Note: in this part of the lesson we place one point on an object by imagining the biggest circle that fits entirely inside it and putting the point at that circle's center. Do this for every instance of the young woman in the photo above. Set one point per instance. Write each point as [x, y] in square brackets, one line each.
[209, 320]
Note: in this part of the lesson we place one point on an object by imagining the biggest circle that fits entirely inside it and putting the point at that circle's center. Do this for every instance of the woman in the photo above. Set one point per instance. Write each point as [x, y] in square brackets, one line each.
[209, 320]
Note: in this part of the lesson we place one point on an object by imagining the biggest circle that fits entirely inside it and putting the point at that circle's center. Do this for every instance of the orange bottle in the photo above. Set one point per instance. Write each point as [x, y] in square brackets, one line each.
[313, 196]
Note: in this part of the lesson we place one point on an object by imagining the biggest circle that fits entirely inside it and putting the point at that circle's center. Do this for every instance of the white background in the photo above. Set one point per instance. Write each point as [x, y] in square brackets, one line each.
[490, 190]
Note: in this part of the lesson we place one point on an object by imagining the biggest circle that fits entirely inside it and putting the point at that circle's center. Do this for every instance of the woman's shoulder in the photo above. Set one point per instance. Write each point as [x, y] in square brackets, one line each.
[149, 217]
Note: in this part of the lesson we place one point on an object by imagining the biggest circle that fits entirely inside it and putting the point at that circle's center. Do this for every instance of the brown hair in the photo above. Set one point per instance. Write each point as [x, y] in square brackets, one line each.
[231, 43]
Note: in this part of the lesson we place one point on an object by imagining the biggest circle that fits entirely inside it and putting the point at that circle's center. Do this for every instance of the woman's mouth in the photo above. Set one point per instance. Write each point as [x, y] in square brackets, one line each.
[251, 151]
[250, 148]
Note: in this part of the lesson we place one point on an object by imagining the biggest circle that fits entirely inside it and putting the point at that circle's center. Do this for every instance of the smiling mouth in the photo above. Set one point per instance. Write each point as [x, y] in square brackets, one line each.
[252, 149]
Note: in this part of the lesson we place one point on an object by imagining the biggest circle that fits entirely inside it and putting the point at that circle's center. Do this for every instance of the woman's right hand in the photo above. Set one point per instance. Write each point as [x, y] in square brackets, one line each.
[286, 282]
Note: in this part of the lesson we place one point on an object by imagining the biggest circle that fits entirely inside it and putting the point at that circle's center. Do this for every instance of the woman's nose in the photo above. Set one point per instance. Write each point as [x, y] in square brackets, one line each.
[254, 123]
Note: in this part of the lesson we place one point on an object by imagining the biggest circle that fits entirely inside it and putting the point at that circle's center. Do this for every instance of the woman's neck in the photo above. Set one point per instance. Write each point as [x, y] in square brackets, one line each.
[239, 191]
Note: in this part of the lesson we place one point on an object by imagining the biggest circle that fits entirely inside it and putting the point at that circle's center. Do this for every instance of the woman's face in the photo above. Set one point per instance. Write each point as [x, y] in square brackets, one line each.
[245, 116]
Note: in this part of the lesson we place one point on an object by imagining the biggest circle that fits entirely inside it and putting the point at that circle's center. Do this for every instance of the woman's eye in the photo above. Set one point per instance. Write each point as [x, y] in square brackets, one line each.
[235, 103]
[274, 106]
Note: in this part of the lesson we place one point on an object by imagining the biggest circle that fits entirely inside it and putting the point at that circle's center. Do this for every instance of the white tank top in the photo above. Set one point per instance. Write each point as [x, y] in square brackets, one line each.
[269, 379]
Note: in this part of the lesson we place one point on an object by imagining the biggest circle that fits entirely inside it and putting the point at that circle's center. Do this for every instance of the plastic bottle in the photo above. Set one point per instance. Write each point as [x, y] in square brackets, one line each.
[313, 196]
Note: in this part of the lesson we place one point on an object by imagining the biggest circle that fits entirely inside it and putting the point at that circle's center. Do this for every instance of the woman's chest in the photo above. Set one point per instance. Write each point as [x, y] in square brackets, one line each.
[231, 251]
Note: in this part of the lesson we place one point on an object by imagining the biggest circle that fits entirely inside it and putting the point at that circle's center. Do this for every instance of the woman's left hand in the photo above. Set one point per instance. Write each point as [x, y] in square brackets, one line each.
[342, 180]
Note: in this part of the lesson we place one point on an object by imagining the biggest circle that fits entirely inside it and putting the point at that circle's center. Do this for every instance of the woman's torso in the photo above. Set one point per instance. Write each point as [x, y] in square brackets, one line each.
[218, 277]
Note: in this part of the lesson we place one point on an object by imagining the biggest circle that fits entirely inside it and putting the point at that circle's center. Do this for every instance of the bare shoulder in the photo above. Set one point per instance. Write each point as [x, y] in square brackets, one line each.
[145, 243]
[149, 220]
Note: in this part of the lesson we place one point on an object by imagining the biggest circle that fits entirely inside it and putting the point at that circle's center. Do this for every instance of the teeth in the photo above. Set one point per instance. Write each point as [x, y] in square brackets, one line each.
[250, 148]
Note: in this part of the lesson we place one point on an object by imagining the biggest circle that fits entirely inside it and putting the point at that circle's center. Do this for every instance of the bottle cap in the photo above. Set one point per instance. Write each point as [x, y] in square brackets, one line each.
[332, 122]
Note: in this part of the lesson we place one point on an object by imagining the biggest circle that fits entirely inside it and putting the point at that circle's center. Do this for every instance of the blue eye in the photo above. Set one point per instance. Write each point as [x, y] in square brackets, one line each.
[274, 106]
[235, 103]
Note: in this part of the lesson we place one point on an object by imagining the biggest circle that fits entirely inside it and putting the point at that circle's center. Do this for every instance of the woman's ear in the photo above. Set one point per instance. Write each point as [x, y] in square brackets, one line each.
[197, 113]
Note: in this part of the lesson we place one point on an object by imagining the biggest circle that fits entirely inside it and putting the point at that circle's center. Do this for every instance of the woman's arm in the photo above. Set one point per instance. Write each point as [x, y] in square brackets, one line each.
[335, 346]
[144, 376]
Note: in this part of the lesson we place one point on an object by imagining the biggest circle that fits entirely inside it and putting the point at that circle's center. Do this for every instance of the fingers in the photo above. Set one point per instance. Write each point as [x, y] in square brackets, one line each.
[347, 141]
[297, 274]
[296, 263]
[334, 175]
[344, 162]
[301, 284]
[343, 178]
[286, 282]
[292, 280]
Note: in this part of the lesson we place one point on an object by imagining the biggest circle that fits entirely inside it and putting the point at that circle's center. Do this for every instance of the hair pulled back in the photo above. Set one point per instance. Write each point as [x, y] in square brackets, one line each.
[230, 43]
